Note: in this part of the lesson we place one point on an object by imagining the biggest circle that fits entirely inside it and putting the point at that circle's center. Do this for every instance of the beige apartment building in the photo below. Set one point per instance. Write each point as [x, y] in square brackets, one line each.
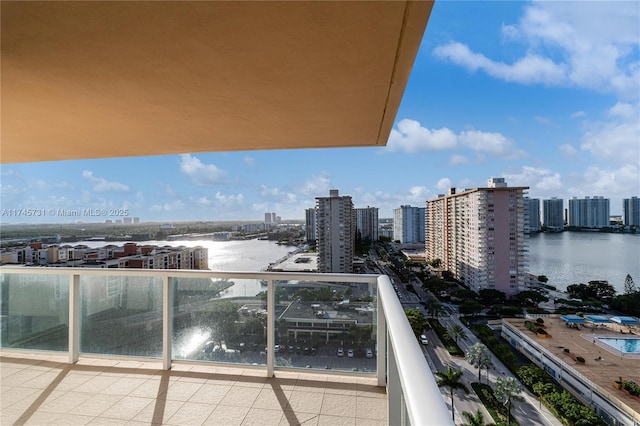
[478, 234]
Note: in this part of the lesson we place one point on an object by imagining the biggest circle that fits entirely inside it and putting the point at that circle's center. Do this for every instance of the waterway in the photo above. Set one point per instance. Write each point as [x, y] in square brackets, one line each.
[565, 258]
[579, 257]
[227, 256]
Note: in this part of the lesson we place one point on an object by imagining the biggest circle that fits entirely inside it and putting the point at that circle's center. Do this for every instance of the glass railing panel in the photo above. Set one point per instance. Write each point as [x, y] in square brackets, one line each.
[34, 311]
[326, 325]
[220, 320]
[121, 315]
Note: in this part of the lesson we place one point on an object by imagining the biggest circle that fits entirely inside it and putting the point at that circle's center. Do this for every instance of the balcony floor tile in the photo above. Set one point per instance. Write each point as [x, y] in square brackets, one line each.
[41, 388]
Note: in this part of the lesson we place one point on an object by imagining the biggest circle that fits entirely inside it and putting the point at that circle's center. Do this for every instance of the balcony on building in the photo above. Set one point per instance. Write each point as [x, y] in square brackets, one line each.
[83, 80]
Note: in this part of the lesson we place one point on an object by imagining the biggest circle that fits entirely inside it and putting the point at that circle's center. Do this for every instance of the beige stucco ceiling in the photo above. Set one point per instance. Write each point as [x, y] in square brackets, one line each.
[91, 79]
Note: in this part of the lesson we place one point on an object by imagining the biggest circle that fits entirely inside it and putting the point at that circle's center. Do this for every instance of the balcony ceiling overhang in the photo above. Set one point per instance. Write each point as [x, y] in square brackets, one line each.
[94, 79]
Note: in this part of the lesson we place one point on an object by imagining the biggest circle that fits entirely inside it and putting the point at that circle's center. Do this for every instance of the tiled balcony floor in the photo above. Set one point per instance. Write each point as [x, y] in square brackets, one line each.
[40, 389]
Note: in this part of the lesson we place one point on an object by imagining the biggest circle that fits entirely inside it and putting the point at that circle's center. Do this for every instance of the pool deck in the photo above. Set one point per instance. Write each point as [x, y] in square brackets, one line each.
[603, 365]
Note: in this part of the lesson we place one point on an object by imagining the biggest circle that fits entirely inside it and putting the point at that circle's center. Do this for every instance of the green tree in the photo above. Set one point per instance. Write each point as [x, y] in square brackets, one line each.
[480, 357]
[455, 332]
[469, 307]
[491, 296]
[416, 319]
[222, 319]
[629, 286]
[434, 308]
[450, 379]
[473, 419]
[507, 390]
[543, 279]
[542, 388]
[531, 298]
[436, 263]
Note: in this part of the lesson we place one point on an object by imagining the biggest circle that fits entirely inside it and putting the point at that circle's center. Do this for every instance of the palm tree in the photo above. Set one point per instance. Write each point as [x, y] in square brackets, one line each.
[476, 419]
[480, 357]
[434, 308]
[451, 380]
[507, 390]
[455, 332]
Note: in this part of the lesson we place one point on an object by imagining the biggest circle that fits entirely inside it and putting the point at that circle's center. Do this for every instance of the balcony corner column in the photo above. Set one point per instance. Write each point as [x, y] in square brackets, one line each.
[381, 339]
[167, 321]
[74, 318]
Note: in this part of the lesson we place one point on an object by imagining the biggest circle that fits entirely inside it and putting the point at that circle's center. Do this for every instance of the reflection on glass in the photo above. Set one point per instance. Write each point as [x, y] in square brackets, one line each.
[121, 315]
[34, 311]
[322, 325]
[209, 327]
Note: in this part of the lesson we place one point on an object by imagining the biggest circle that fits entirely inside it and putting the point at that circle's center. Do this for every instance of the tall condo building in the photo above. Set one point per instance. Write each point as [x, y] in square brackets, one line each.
[532, 215]
[589, 212]
[552, 213]
[631, 211]
[310, 225]
[409, 224]
[367, 224]
[335, 233]
[478, 234]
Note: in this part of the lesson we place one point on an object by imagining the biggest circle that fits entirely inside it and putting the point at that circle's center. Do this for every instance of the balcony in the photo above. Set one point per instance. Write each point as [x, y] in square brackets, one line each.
[76, 341]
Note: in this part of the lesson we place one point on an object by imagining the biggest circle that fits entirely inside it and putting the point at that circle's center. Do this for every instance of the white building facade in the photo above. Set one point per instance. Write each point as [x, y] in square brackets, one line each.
[589, 212]
[631, 211]
[367, 224]
[409, 224]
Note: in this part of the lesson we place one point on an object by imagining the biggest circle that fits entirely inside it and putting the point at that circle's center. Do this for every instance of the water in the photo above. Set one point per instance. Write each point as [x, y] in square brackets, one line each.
[627, 346]
[579, 257]
[227, 256]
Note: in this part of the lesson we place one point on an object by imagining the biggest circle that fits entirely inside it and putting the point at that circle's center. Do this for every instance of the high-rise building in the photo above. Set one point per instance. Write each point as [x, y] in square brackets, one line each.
[532, 215]
[631, 211]
[310, 225]
[335, 233]
[367, 224]
[589, 212]
[267, 218]
[553, 214]
[478, 235]
[409, 224]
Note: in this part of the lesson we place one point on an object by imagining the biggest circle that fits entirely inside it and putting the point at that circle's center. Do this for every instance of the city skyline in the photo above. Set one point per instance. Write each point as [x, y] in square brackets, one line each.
[543, 94]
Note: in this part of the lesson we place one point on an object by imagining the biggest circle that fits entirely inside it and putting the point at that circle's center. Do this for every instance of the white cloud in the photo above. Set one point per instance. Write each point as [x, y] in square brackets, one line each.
[411, 137]
[542, 182]
[591, 45]
[456, 160]
[617, 140]
[568, 150]
[229, 200]
[578, 114]
[100, 184]
[201, 174]
[444, 184]
[169, 206]
[316, 186]
[621, 182]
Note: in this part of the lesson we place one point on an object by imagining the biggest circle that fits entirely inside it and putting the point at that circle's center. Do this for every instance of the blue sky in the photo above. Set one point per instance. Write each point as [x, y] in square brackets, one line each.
[545, 94]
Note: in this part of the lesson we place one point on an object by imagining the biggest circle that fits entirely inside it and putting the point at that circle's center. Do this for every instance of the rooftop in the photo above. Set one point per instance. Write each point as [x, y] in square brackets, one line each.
[603, 365]
[44, 389]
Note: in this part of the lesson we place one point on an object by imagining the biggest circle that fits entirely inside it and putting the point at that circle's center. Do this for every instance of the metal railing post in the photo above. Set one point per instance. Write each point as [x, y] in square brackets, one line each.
[167, 321]
[271, 321]
[74, 318]
[381, 341]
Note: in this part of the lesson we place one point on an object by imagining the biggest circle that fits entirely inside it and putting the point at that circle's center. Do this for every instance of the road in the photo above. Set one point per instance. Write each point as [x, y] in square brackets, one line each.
[527, 413]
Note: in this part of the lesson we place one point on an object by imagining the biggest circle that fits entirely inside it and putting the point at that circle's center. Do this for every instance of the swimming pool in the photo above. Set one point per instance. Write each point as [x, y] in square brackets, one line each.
[624, 345]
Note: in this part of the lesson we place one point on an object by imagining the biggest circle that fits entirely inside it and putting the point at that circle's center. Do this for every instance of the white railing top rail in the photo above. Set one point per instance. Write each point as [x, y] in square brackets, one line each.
[187, 273]
[420, 389]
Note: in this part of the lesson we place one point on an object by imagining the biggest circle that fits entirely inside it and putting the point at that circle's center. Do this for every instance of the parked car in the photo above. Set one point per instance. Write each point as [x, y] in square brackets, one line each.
[369, 353]
[423, 340]
[340, 352]
[350, 353]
